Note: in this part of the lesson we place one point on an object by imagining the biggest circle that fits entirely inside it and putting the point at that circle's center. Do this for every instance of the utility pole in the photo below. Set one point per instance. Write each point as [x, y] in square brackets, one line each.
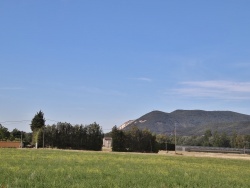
[43, 138]
[175, 137]
[244, 149]
[21, 139]
[150, 145]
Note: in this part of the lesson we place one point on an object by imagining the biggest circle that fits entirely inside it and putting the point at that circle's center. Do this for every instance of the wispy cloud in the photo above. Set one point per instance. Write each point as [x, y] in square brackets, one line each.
[143, 79]
[215, 89]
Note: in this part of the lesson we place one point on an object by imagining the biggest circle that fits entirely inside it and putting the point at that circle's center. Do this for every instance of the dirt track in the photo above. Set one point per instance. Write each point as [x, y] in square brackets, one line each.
[180, 153]
[204, 154]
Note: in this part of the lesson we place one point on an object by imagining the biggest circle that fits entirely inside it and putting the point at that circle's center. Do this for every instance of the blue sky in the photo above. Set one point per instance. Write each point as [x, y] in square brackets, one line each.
[112, 61]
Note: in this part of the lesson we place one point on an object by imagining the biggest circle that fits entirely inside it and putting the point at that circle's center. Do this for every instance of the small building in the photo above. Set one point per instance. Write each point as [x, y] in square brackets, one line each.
[107, 142]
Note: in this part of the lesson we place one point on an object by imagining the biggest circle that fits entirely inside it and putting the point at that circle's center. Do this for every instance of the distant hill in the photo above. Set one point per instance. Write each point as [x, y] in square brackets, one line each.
[192, 122]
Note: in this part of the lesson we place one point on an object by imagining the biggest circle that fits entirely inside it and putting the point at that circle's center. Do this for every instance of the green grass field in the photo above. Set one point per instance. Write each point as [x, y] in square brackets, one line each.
[58, 168]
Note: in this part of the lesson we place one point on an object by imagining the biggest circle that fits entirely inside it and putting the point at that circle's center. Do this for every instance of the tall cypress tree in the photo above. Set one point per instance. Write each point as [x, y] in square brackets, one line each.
[37, 124]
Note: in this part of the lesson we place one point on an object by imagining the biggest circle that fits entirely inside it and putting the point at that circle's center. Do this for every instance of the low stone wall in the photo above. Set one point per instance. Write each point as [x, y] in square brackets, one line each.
[9, 144]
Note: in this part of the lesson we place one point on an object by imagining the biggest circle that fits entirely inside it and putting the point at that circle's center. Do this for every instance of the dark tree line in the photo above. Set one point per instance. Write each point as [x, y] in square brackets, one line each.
[65, 135]
[217, 139]
[60, 135]
[133, 140]
[14, 135]
[209, 139]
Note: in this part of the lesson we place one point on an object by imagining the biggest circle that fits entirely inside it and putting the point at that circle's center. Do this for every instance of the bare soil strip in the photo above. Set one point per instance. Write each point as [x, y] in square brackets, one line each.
[205, 154]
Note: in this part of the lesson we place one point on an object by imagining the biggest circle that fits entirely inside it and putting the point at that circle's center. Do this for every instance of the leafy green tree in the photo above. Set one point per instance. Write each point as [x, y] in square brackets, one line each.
[216, 139]
[225, 141]
[233, 143]
[140, 140]
[247, 141]
[148, 142]
[16, 134]
[37, 124]
[240, 142]
[206, 138]
[208, 133]
[118, 140]
[94, 137]
[82, 137]
[38, 121]
[27, 138]
[109, 134]
[4, 133]
[163, 140]
[134, 137]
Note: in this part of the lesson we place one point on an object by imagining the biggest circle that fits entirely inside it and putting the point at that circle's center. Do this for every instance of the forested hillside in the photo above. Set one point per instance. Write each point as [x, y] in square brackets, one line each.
[193, 122]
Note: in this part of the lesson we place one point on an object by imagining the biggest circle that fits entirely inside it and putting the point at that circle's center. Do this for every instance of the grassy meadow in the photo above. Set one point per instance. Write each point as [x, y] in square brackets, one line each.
[61, 168]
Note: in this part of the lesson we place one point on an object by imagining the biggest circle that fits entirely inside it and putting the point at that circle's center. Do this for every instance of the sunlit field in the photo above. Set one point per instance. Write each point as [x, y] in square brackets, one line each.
[60, 168]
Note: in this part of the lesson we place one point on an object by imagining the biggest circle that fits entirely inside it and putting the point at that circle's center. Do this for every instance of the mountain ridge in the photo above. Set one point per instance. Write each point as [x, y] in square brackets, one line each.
[192, 122]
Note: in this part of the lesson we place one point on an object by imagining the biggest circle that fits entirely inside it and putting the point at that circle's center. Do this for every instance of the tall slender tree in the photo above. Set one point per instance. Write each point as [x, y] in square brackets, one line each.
[37, 125]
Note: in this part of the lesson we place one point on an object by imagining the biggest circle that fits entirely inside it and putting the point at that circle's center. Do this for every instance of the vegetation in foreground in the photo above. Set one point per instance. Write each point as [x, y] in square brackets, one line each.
[60, 168]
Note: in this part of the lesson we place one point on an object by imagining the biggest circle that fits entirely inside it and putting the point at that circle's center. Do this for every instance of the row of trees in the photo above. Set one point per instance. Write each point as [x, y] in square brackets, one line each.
[14, 135]
[65, 135]
[133, 140]
[209, 139]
